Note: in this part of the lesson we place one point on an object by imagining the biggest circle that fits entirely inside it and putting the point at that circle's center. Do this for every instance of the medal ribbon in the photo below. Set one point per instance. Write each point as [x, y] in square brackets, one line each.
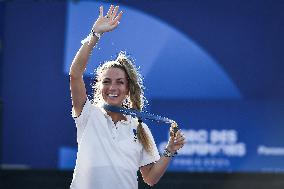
[141, 115]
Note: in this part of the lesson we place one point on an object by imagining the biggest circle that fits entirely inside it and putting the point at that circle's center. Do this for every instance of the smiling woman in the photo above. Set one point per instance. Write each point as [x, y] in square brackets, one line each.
[123, 76]
[113, 86]
[113, 146]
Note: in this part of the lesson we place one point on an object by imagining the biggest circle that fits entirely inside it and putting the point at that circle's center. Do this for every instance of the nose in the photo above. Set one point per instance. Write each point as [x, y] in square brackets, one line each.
[113, 86]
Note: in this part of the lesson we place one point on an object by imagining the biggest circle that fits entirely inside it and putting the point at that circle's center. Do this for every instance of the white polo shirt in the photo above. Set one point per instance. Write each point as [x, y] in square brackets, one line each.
[109, 155]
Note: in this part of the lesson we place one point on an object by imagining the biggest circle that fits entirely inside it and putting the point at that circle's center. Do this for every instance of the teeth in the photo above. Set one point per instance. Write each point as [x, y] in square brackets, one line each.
[112, 95]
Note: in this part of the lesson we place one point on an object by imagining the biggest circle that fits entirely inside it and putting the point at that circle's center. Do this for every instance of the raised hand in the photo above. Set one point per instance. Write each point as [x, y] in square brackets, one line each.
[108, 22]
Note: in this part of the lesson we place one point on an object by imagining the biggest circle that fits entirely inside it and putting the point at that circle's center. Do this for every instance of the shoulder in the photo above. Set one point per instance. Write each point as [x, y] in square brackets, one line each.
[94, 108]
[93, 105]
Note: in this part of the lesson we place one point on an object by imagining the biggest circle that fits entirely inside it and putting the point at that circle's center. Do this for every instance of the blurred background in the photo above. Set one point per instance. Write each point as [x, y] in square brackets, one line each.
[216, 67]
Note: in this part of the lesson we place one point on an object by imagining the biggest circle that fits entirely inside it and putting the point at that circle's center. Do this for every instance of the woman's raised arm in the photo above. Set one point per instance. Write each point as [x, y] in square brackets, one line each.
[77, 86]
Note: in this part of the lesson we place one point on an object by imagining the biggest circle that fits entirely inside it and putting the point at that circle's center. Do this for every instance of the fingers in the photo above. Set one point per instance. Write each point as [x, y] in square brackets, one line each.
[109, 13]
[112, 16]
[117, 19]
[101, 11]
[178, 133]
[174, 134]
[179, 139]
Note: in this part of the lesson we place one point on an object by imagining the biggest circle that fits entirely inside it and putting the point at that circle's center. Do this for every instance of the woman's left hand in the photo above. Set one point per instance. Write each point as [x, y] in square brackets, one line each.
[176, 142]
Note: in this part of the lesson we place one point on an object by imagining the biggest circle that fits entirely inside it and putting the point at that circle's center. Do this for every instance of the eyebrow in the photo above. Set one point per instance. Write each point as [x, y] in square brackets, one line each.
[106, 78]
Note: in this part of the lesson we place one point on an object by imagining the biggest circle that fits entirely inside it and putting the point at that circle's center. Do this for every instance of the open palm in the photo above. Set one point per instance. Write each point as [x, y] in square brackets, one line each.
[108, 22]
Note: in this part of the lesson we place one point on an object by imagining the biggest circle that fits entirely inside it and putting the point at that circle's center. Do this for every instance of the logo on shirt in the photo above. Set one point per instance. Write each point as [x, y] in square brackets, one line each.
[135, 135]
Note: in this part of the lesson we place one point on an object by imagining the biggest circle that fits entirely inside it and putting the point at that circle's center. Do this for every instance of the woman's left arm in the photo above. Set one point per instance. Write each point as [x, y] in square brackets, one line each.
[153, 172]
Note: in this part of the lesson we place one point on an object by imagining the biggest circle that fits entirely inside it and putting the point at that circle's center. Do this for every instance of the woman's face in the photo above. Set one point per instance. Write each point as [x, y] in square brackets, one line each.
[114, 86]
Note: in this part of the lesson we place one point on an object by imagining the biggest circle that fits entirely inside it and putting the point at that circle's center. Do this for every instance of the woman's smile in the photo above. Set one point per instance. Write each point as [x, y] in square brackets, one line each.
[114, 86]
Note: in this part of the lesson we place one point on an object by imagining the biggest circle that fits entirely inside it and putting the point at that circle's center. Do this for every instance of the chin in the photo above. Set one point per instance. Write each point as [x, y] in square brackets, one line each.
[113, 103]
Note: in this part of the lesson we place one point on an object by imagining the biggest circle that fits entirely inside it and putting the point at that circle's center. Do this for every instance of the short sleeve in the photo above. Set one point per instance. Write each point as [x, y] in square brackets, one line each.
[82, 119]
[147, 158]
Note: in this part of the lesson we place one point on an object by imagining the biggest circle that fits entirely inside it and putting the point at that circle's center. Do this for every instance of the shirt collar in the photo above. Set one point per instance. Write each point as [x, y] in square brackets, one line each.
[125, 122]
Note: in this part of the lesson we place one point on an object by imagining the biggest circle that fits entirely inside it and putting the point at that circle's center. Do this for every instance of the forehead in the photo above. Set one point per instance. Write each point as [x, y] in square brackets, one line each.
[113, 73]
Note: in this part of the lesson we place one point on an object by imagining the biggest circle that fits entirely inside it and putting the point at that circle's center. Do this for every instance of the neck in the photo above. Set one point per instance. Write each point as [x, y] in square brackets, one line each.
[116, 116]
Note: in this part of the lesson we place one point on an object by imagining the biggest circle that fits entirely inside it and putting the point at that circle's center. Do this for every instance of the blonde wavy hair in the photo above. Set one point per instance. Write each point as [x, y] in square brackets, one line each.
[135, 99]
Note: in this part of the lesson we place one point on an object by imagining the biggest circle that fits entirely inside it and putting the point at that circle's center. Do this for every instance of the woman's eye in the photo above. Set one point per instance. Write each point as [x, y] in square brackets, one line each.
[105, 82]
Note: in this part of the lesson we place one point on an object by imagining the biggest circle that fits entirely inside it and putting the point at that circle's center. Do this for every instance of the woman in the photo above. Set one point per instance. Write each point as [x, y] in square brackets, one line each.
[112, 146]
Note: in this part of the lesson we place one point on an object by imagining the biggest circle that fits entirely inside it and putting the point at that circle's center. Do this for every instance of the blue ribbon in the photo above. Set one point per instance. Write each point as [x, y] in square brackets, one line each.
[138, 114]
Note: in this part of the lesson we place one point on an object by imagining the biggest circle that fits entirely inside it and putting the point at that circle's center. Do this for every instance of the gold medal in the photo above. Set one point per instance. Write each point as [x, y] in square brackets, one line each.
[173, 129]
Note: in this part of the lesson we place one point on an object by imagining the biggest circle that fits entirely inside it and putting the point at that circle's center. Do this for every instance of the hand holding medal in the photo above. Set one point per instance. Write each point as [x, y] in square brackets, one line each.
[176, 141]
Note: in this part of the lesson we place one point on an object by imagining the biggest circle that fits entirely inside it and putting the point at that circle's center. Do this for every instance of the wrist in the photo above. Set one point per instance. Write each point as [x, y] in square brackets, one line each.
[91, 38]
[96, 34]
[170, 148]
[168, 153]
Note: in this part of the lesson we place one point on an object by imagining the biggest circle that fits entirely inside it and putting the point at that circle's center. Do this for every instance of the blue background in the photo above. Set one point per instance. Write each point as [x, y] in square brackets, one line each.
[233, 80]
